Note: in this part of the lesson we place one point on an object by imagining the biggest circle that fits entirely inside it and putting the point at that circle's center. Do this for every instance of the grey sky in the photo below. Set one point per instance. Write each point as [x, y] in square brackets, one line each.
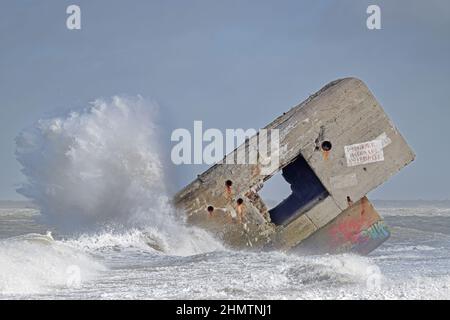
[231, 64]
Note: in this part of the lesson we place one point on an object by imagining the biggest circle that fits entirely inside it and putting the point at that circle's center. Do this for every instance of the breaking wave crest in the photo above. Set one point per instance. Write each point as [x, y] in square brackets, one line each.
[100, 166]
[180, 241]
[97, 164]
[36, 264]
[97, 176]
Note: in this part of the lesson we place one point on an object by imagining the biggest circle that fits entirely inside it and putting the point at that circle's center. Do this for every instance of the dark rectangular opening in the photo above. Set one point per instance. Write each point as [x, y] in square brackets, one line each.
[306, 192]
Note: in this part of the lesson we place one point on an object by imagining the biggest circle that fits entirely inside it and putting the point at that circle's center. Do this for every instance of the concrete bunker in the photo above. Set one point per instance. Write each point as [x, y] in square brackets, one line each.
[325, 205]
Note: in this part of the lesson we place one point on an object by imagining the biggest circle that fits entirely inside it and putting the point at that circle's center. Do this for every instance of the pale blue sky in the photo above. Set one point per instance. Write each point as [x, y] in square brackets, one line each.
[231, 64]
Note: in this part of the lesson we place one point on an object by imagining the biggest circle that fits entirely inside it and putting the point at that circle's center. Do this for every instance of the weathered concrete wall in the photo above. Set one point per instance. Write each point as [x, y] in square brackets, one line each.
[343, 114]
[359, 229]
[346, 113]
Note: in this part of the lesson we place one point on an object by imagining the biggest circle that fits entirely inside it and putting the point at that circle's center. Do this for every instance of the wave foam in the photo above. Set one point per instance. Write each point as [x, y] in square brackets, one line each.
[99, 163]
[102, 165]
[33, 264]
[184, 241]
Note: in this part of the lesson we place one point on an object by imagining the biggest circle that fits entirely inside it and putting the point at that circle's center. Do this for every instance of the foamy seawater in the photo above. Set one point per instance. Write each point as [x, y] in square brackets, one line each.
[105, 228]
[136, 263]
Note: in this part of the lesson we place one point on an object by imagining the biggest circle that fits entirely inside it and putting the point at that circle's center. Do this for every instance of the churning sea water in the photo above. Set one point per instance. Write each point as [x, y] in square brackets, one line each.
[139, 263]
[99, 186]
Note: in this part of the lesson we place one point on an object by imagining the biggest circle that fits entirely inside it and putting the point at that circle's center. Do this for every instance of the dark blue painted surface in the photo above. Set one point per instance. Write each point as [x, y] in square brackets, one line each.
[306, 190]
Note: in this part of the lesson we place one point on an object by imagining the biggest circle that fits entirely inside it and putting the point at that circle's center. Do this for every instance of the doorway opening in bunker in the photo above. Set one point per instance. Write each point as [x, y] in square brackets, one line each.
[304, 191]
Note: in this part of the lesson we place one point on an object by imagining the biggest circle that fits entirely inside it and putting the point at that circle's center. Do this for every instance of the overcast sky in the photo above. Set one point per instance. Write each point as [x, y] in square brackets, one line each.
[231, 64]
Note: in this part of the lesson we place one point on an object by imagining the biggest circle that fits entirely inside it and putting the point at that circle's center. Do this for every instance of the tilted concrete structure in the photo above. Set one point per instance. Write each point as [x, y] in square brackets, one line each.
[335, 147]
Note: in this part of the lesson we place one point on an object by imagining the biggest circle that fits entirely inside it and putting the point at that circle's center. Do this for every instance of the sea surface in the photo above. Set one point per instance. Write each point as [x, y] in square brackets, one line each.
[139, 263]
[103, 227]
